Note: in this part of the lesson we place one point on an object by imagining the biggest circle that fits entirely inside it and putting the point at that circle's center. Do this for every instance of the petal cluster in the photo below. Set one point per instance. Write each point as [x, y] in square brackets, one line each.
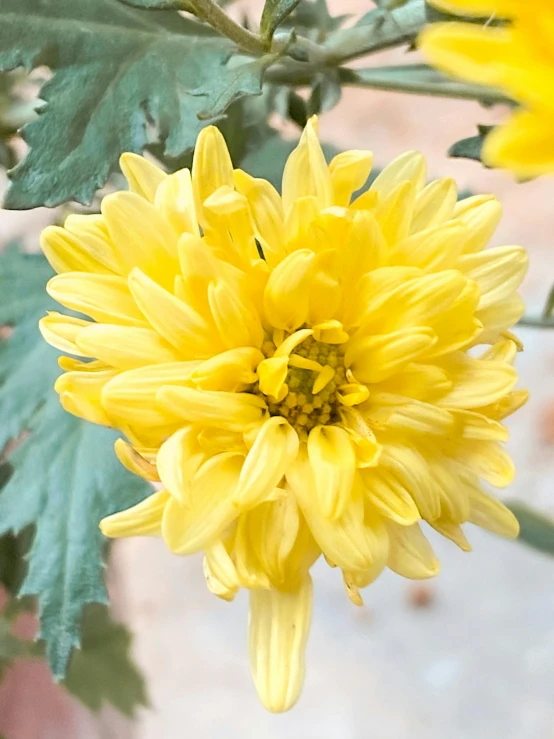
[306, 374]
[517, 57]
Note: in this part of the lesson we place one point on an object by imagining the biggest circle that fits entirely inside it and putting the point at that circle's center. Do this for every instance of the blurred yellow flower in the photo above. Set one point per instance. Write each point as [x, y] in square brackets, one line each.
[294, 370]
[517, 58]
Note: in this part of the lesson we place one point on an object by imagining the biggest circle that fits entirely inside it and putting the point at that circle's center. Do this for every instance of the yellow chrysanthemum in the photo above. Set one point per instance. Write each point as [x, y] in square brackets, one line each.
[294, 370]
[517, 58]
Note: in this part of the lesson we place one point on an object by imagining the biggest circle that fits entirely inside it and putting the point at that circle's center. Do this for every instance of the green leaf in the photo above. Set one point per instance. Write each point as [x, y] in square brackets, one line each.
[239, 80]
[66, 476]
[535, 529]
[471, 148]
[103, 671]
[123, 77]
[273, 14]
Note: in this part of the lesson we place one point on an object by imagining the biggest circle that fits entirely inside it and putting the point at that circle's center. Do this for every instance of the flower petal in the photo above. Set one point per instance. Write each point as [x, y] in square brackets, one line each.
[333, 464]
[272, 453]
[231, 411]
[143, 519]
[279, 626]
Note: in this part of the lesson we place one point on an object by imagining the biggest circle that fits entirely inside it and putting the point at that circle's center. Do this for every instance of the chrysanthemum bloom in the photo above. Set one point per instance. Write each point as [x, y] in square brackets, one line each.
[517, 58]
[294, 370]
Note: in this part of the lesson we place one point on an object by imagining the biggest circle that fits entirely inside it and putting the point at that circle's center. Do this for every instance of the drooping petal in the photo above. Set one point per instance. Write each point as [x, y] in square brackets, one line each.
[279, 626]
[178, 461]
[410, 553]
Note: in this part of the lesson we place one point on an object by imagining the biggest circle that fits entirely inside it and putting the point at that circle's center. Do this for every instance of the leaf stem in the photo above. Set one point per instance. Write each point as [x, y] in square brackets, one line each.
[536, 322]
[211, 13]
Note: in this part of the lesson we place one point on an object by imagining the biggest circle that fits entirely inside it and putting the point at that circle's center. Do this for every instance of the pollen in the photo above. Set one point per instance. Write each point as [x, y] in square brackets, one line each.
[303, 407]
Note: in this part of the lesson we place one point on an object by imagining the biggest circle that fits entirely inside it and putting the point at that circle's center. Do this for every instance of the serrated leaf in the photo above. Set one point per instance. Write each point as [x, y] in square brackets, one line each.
[535, 529]
[238, 81]
[103, 671]
[471, 148]
[273, 14]
[122, 77]
[66, 476]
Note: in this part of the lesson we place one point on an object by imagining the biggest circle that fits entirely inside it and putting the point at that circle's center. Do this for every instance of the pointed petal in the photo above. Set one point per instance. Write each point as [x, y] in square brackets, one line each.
[143, 176]
[144, 519]
[231, 411]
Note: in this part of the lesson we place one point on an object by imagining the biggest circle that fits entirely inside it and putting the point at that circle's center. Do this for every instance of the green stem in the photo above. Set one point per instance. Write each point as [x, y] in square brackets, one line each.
[211, 13]
[382, 30]
[419, 79]
[536, 322]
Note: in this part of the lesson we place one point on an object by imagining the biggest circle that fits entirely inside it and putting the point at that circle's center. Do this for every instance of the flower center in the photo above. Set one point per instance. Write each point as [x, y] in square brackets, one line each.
[302, 407]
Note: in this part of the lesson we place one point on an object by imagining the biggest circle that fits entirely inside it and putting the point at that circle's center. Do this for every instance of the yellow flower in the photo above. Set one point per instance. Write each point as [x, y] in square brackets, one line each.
[517, 58]
[294, 370]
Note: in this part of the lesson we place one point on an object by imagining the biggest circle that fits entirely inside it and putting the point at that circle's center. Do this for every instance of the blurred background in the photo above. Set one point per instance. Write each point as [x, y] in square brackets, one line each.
[467, 655]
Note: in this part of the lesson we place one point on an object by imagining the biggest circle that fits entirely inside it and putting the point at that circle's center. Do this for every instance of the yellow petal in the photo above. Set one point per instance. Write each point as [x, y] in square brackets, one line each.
[453, 532]
[412, 470]
[82, 407]
[498, 318]
[173, 319]
[478, 426]
[144, 519]
[432, 249]
[306, 171]
[479, 8]
[390, 497]
[486, 459]
[333, 463]
[286, 293]
[131, 396]
[141, 236]
[231, 411]
[86, 385]
[272, 453]
[480, 214]
[476, 382]
[408, 167]
[211, 168]
[191, 528]
[125, 347]
[394, 212]
[178, 461]
[395, 413]
[490, 514]
[272, 374]
[434, 204]
[105, 298]
[349, 172]
[279, 626]
[134, 462]
[232, 371]
[234, 316]
[410, 553]
[498, 272]
[93, 236]
[523, 144]
[143, 176]
[378, 357]
[175, 202]
[220, 572]
[60, 331]
[67, 253]
[266, 211]
[350, 542]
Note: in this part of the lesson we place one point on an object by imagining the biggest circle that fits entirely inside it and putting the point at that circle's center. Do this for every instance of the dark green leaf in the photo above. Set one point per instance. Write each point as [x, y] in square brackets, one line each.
[122, 79]
[274, 13]
[66, 476]
[471, 148]
[535, 529]
[103, 671]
